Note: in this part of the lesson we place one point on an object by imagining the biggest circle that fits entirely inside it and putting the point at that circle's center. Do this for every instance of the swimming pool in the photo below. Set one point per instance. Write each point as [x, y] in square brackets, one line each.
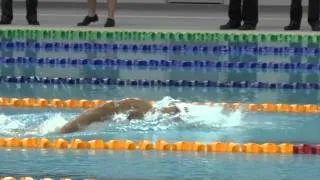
[209, 124]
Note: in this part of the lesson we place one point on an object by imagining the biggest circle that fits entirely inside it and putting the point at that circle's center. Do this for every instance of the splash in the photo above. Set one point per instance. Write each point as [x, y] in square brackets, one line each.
[8, 125]
[191, 117]
[52, 124]
[36, 124]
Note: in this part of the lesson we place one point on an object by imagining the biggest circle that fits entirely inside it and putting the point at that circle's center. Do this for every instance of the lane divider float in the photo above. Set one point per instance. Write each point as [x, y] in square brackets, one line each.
[161, 63]
[159, 145]
[120, 35]
[31, 178]
[87, 104]
[162, 83]
[164, 48]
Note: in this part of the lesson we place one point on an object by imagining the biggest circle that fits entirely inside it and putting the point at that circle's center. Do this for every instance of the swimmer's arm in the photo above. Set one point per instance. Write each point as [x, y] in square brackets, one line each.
[99, 114]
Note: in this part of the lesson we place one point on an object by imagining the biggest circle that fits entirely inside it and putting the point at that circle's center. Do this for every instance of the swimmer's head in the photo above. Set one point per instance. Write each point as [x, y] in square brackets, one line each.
[170, 110]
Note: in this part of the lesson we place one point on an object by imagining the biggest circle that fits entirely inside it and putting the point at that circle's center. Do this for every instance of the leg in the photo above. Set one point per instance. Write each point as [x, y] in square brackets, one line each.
[111, 8]
[92, 8]
[296, 11]
[235, 11]
[32, 14]
[250, 14]
[314, 10]
[295, 15]
[92, 15]
[111, 11]
[234, 15]
[6, 9]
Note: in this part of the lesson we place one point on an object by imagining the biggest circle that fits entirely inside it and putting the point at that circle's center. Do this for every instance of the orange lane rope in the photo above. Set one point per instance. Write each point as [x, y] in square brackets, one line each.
[87, 104]
[144, 145]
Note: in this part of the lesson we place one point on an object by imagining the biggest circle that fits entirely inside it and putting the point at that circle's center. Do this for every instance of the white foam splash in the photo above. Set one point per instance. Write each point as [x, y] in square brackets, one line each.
[52, 124]
[7, 124]
[30, 124]
[211, 116]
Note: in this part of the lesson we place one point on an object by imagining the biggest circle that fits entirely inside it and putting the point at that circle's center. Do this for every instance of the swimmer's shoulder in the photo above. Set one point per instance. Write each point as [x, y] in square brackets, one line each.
[108, 106]
[136, 101]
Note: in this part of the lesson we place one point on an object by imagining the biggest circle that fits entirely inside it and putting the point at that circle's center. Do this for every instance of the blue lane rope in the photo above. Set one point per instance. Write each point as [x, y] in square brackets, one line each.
[157, 68]
[145, 83]
[161, 63]
[178, 48]
[198, 89]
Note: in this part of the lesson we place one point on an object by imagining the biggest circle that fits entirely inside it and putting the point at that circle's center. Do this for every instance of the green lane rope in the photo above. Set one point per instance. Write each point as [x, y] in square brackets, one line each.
[127, 35]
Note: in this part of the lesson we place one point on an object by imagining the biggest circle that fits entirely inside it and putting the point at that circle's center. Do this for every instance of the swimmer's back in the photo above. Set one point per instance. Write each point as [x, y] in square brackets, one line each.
[135, 108]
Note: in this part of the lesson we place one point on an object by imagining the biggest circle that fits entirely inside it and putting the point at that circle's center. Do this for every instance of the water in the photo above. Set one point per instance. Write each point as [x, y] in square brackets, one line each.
[203, 124]
[154, 165]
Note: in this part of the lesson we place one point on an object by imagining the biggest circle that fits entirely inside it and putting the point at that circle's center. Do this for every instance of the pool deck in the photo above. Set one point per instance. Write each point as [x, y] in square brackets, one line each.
[153, 17]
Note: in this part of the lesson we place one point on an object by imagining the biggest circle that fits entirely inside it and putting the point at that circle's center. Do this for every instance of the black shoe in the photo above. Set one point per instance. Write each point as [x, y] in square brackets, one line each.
[316, 27]
[33, 22]
[87, 20]
[292, 26]
[5, 22]
[110, 23]
[229, 26]
[246, 27]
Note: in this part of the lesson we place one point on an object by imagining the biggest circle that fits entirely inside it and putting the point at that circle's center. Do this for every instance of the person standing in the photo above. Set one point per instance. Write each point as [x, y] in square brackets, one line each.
[296, 15]
[93, 17]
[7, 12]
[242, 10]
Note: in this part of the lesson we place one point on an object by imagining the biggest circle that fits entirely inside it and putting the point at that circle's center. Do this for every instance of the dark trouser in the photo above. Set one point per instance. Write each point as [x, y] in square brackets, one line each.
[296, 11]
[248, 12]
[7, 12]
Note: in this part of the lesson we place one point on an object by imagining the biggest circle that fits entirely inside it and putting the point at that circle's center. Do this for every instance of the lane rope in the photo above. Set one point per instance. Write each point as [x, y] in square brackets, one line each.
[164, 48]
[161, 63]
[159, 145]
[87, 104]
[42, 178]
[162, 83]
[121, 35]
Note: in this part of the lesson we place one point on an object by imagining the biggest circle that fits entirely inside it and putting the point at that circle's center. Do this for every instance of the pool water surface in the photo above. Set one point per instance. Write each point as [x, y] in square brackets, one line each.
[206, 125]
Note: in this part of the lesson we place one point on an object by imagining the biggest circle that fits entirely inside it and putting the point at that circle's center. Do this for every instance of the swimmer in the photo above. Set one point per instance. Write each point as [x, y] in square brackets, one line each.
[134, 107]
